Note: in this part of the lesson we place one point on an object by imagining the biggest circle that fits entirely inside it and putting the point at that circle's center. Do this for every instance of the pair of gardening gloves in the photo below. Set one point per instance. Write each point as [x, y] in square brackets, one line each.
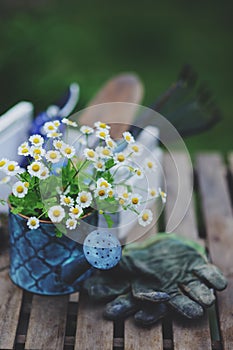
[165, 271]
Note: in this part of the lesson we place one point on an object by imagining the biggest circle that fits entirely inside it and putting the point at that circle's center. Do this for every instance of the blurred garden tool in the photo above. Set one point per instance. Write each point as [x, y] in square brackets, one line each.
[121, 88]
[188, 107]
[165, 271]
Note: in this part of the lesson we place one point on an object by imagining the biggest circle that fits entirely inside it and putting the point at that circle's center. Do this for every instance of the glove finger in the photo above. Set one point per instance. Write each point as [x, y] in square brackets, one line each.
[199, 292]
[150, 314]
[186, 307]
[99, 288]
[143, 290]
[121, 307]
[211, 275]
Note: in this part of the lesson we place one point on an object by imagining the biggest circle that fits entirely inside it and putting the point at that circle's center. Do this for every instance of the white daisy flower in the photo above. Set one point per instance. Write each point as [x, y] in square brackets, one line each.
[50, 127]
[86, 130]
[150, 165]
[66, 200]
[100, 125]
[24, 149]
[145, 217]
[54, 135]
[111, 193]
[12, 168]
[33, 223]
[69, 122]
[135, 148]
[103, 183]
[104, 152]
[139, 173]
[36, 140]
[5, 180]
[153, 193]
[128, 137]
[76, 212]
[68, 151]
[53, 156]
[19, 189]
[135, 199]
[35, 168]
[58, 144]
[102, 134]
[84, 199]
[101, 193]
[110, 143]
[37, 152]
[100, 165]
[44, 173]
[3, 163]
[56, 123]
[56, 213]
[119, 157]
[163, 195]
[90, 154]
[71, 224]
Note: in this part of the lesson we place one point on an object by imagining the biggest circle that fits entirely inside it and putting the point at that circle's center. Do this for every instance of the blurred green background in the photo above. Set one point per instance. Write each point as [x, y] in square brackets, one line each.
[45, 45]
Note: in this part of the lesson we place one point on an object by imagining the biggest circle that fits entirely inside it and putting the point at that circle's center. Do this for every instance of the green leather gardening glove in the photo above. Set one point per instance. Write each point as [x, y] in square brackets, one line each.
[162, 272]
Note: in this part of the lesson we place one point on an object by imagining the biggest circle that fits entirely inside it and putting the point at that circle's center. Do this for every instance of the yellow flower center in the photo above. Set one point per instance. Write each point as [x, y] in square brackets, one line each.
[145, 217]
[106, 152]
[53, 155]
[56, 213]
[71, 223]
[83, 198]
[58, 144]
[135, 200]
[91, 154]
[128, 138]
[68, 150]
[19, 189]
[35, 167]
[104, 183]
[153, 192]
[2, 163]
[43, 173]
[37, 151]
[135, 148]
[101, 193]
[75, 211]
[36, 140]
[51, 127]
[100, 165]
[121, 201]
[150, 165]
[102, 134]
[103, 125]
[33, 222]
[139, 172]
[11, 167]
[125, 195]
[110, 193]
[67, 200]
[25, 150]
[121, 158]
[110, 143]
[26, 184]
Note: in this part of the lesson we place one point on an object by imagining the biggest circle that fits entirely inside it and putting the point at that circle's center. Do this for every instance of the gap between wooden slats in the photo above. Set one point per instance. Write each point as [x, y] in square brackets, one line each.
[191, 335]
[219, 225]
[47, 323]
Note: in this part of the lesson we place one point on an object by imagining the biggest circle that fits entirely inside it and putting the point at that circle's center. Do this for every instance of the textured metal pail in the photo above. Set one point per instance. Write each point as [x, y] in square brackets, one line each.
[37, 257]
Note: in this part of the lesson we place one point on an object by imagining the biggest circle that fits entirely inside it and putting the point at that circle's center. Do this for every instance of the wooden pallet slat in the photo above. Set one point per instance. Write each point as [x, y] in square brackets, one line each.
[93, 332]
[219, 226]
[10, 305]
[193, 336]
[47, 323]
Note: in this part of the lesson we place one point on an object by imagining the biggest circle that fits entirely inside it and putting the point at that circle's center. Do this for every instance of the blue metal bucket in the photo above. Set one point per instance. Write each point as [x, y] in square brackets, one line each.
[44, 264]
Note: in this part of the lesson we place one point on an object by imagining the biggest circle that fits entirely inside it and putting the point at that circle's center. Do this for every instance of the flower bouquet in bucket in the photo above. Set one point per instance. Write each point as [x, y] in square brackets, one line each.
[55, 203]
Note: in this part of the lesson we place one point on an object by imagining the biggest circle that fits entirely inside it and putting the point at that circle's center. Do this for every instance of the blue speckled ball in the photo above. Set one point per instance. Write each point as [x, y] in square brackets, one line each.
[102, 249]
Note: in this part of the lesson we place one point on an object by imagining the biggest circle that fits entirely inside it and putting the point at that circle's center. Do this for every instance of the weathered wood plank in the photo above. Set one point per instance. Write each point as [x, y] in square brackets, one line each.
[93, 332]
[219, 226]
[136, 338]
[47, 323]
[193, 335]
[10, 304]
